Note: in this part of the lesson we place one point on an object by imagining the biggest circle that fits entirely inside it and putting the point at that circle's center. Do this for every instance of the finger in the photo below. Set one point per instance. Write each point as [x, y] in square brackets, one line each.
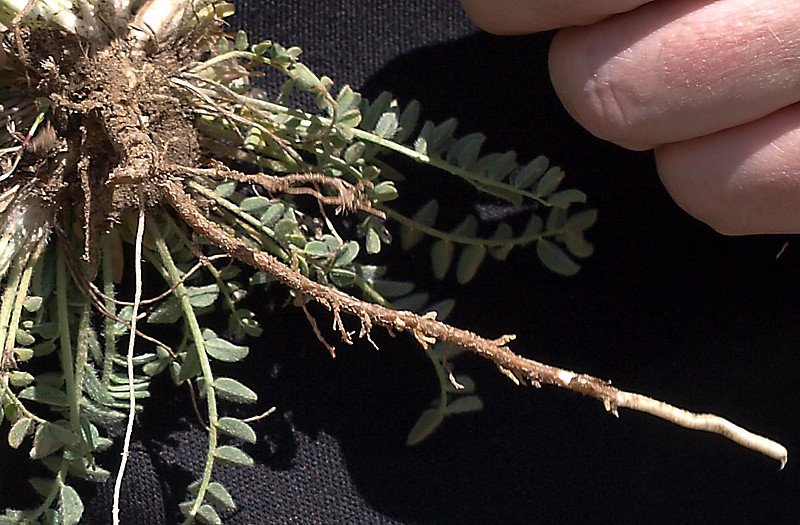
[513, 17]
[673, 70]
[741, 180]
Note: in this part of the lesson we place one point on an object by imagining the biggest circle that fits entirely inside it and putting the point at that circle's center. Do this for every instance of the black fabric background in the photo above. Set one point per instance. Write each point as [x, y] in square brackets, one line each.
[665, 307]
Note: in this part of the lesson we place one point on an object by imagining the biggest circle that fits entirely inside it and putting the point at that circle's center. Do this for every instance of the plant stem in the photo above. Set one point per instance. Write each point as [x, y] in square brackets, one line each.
[205, 366]
[463, 239]
[7, 330]
[427, 330]
[268, 234]
[65, 341]
[490, 186]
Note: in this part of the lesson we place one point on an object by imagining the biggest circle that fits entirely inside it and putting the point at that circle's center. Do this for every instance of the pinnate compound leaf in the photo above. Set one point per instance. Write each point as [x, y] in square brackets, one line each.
[237, 428]
[234, 391]
[468, 263]
[71, 506]
[94, 387]
[18, 432]
[555, 259]
[441, 257]
[425, 425]
[233, 456]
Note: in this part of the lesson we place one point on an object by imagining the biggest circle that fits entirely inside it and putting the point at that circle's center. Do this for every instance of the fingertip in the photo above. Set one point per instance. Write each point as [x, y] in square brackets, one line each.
[739, 181]
[505, 17]
[581, 72]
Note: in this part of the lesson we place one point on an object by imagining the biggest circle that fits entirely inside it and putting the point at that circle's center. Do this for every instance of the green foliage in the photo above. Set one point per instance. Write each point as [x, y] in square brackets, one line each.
[456, 395]
[81, 385]
[558, 240]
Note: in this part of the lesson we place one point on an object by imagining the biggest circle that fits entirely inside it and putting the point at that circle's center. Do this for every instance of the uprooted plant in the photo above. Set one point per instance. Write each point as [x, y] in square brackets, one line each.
[134, 128]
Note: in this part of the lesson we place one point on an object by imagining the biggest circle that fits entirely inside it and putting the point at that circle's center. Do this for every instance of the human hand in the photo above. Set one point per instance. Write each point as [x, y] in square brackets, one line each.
[712, 86]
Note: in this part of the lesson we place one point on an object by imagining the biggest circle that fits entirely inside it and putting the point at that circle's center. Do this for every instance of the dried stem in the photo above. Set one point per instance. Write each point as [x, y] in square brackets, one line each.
[428, 330]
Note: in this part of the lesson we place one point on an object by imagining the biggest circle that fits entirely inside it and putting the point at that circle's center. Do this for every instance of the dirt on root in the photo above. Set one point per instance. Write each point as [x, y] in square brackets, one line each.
[114, 120]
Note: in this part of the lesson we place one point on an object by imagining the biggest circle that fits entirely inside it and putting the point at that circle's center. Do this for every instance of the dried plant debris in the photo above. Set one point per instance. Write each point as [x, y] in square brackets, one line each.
[127, 123]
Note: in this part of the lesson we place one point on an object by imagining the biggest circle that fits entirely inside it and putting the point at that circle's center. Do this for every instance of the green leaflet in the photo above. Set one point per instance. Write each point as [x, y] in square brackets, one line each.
[18, 432]
[233, 456]
[50, 437]
[234, 391]
[219, 497]
[237, 428]
[555, 259]
[223, 350]
[71, 507]
[425, 425]
[441, 257]
[46, 395]
[464, 404]
[471, 258]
